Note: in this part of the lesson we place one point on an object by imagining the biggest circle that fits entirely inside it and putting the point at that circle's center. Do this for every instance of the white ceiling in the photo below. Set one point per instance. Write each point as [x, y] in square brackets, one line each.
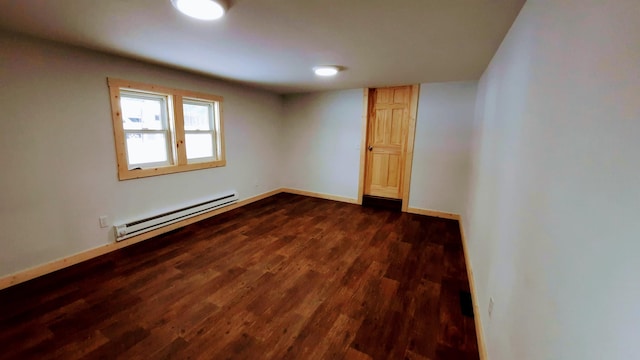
[274, 44]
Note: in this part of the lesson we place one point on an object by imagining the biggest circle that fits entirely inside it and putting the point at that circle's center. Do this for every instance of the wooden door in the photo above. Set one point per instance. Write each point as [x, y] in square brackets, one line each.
[387, 135]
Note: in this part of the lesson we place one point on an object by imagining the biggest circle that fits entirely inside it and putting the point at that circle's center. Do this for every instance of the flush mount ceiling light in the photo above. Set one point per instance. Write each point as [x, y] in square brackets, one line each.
[201, 9]
[326, 70]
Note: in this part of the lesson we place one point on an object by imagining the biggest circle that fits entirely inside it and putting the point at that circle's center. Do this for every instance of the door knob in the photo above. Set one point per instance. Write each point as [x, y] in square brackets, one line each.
[370, 148]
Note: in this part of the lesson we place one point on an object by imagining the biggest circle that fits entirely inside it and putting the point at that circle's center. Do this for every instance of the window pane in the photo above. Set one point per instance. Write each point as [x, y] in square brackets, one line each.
[142, 113]
[199, 146]
[146, 148]
[197, 116]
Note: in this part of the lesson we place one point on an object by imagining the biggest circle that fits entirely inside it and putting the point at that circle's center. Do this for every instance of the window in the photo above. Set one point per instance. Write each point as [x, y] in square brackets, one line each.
[199, 129]
[146, 129]
[161, 130]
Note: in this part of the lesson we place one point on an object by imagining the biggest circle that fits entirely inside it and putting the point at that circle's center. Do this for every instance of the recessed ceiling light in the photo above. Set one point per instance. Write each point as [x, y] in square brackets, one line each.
[201, 9]
[326, 70]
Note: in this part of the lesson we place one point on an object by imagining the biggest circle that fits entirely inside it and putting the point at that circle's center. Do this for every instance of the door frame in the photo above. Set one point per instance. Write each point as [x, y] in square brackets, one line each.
[411, 134]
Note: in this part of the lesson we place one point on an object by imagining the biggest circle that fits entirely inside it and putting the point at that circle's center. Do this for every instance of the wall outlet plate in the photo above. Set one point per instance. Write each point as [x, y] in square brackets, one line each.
[103, 221]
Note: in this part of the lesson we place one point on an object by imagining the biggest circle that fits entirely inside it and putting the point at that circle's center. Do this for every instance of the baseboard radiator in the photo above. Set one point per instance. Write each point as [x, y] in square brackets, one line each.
[138, 227]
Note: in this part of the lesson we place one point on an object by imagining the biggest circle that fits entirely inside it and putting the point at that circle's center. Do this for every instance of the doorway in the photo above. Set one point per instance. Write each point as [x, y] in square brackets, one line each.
[386, 158]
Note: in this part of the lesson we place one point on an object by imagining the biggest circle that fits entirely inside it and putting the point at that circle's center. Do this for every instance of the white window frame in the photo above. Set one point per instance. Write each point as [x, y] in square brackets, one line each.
[166, 131]
[214, 113]
[176, 152]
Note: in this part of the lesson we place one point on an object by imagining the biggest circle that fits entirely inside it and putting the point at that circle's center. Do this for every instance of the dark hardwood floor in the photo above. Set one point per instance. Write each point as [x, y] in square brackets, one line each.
[288, 277]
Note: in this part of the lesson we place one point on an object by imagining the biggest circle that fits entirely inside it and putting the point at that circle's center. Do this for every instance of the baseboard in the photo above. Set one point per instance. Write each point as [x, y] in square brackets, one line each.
[320, 195]
[482, 350]
[434, 213]
[55, 265]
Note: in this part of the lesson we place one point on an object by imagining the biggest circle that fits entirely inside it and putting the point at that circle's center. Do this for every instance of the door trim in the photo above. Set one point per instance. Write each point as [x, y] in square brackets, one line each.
[411, 137]
[363, 143]
[411, 134]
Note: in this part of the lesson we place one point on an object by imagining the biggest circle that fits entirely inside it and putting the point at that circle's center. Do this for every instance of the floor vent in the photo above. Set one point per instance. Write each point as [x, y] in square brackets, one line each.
[137, 227]
[466, 304]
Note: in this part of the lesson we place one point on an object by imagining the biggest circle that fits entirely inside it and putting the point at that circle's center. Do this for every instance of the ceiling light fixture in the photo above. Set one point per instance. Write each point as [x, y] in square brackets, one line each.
[326, 70]
[201, 9]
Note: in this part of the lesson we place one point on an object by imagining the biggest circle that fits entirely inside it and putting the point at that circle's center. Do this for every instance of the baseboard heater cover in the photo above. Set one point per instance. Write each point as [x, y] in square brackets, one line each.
[130, 229]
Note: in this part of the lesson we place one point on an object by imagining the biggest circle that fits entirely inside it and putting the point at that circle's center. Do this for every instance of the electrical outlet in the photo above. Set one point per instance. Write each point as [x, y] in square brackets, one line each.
[490, 310]
[103, 221]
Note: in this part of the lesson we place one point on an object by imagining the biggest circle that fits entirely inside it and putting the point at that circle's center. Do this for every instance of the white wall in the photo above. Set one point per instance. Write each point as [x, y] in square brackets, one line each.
[58, 157]
[552, 222]
[441, 160]
[321, 142]
[59, 166]
[322, 134]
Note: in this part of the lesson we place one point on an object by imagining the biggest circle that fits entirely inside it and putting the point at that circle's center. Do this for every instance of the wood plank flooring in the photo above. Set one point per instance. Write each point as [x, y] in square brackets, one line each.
[288, 277]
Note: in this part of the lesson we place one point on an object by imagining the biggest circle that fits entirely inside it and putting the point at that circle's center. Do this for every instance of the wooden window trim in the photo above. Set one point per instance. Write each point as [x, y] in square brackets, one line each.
[177, 129]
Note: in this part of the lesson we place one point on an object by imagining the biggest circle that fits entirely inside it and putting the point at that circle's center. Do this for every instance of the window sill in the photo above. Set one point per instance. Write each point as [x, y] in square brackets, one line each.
[126, 174]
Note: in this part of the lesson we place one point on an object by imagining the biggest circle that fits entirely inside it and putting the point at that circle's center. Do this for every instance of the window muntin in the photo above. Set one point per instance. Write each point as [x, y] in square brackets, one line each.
[162, 130]
[143, 111]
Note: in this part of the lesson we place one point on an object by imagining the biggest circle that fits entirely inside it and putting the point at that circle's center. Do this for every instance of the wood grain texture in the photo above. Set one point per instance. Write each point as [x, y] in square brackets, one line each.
[320, 195]
[174, 96]
[29, 274]
[390, 139]
[408, 165]
[363, 143]
[482, 350]
[287, 277]
[434, 213]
